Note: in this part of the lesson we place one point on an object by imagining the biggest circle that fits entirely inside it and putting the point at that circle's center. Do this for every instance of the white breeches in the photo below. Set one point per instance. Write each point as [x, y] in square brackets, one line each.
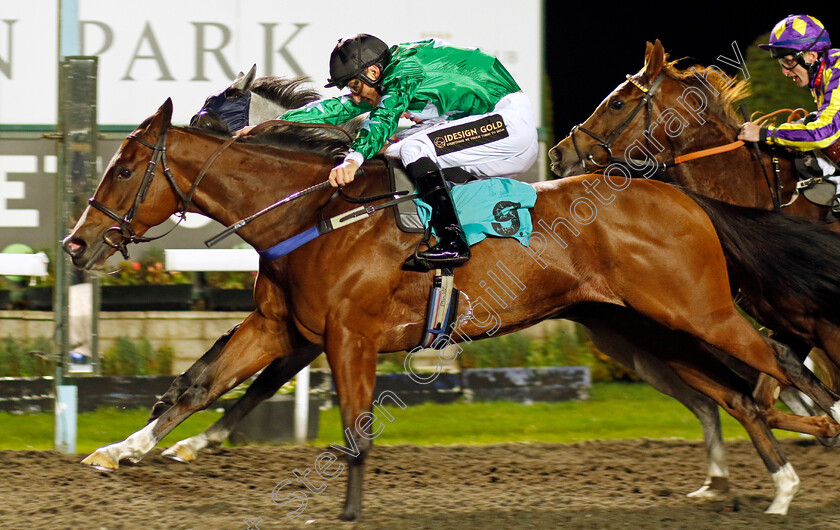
[503, 157]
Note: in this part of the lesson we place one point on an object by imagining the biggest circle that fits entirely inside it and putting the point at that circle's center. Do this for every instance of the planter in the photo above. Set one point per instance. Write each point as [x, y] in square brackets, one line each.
[146, 297]
[38, 298]
[5, 299]
[229, 299]
[273, 421]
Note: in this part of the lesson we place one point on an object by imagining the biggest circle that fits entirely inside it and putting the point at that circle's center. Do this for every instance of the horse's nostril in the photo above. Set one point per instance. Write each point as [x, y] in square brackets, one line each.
[74, 246]
[556, 155]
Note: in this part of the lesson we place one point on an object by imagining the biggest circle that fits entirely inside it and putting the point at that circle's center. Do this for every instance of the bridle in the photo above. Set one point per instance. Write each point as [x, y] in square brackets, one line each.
[127, 233]
[647, 101]
[606, 143]
[124, 229]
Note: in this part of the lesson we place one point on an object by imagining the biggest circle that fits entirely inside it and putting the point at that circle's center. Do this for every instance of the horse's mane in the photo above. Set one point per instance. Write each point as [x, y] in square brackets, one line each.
[293, 137]
[284, 91]
[730, 92]
[291, 93]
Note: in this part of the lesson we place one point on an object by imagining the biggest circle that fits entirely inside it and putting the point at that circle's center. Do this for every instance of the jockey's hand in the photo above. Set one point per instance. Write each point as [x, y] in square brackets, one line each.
[344, 173]
[749, 132]
[244, 130]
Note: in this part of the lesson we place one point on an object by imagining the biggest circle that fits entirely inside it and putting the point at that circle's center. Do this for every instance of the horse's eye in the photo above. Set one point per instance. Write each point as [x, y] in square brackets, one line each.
[124, 173]
[616, 104]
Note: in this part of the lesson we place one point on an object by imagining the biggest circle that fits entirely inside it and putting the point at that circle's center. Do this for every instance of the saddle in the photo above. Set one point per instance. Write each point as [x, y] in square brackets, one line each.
[814, 184]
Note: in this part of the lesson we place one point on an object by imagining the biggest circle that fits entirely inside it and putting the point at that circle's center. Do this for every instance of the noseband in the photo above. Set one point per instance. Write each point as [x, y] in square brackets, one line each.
[606, 143]
[124, 229]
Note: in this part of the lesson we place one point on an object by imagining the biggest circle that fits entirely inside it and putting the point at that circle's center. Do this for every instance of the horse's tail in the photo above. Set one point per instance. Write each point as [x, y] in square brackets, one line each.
[786, 268]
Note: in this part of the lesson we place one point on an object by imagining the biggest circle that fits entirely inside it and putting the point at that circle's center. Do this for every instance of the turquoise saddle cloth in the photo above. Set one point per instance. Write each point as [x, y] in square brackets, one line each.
[495, 207]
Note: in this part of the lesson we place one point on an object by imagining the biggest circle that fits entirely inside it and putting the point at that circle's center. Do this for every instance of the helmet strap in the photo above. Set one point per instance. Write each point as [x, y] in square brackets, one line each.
[811, 68]
[364, 78]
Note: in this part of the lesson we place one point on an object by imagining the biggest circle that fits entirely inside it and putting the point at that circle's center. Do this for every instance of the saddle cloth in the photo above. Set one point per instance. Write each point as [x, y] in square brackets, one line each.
[495, 206]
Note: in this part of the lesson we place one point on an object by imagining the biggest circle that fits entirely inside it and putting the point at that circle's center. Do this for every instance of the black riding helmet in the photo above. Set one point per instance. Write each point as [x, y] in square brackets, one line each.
[352, 55]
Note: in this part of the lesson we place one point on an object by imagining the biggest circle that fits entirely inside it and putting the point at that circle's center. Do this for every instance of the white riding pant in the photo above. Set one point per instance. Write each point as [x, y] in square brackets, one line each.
[503, 157]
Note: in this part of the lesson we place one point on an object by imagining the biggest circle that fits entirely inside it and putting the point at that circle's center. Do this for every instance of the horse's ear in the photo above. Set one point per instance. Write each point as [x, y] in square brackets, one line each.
[160, 119]
[654, 59]
[165, 111]
[243, 81]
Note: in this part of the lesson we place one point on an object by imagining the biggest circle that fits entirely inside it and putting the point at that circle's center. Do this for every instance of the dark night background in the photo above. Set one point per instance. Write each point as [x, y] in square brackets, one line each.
[590, 46]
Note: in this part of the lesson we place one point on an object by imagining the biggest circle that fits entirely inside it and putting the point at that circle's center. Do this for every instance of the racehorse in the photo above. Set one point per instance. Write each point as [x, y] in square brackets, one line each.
[346, 292]
[677, 119]
[687, 117]
[275, 96]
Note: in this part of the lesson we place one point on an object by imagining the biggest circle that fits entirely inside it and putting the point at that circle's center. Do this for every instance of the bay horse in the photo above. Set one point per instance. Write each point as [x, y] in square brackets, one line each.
[663, 113]
[275, 95]
[345, 292]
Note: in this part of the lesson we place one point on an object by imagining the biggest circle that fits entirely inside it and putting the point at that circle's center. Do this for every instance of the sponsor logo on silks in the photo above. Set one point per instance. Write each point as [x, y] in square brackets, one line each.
[466, 135]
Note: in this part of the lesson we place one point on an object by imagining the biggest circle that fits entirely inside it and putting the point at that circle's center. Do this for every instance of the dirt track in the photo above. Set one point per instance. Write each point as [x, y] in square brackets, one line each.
[633, 484]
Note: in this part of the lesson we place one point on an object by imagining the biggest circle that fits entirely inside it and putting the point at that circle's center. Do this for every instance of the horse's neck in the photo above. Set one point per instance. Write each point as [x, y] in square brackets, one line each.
[263, 109]
[229, 192]
[734, 176]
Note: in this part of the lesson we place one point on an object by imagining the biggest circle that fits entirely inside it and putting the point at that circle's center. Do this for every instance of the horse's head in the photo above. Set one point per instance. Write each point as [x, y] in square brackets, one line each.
[227, 110]
[659, 111]
[621, 115]
[128, 200]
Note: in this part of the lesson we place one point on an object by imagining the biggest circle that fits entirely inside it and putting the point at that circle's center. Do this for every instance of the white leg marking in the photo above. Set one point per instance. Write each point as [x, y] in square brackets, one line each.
[787, 484]
[717, 461]
[133, 448]
[835, 411]
[187, 450]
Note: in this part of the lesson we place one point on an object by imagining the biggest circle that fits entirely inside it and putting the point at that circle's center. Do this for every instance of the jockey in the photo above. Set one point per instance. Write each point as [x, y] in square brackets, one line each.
[802, 46]
[476, 121]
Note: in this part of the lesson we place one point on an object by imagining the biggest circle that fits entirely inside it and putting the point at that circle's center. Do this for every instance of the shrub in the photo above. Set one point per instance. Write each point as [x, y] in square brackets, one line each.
[126, 357]
[146, 271]
[560, 348]
[496, 352]
[26, 359]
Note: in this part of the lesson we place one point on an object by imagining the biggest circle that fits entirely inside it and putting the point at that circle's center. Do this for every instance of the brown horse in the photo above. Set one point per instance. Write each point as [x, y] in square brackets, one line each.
[663, 113]
[689, 111]
[276, 95]
[345, 292]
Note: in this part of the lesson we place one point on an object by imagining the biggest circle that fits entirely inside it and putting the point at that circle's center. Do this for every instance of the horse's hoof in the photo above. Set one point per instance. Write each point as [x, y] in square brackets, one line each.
[101, 461]
[706, 493]
[713, 489]
[829, 442]
[180, 453]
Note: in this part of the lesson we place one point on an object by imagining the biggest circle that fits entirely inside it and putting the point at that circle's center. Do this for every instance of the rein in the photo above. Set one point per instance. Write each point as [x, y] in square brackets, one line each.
[324, 226]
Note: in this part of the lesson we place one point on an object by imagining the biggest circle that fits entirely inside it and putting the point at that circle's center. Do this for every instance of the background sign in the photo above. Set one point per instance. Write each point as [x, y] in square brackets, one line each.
[155, 49]
[149, 51]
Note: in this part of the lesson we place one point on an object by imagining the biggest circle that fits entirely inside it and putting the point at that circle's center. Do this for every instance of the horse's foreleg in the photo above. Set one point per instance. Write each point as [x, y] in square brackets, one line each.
[253, 346]
[625, 338]
[264, 386]
[353, 363]
[181, 383]
[750, 415]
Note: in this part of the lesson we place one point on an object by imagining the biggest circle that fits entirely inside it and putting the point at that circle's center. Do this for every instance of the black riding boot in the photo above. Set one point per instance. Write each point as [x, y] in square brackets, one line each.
[451, 249]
